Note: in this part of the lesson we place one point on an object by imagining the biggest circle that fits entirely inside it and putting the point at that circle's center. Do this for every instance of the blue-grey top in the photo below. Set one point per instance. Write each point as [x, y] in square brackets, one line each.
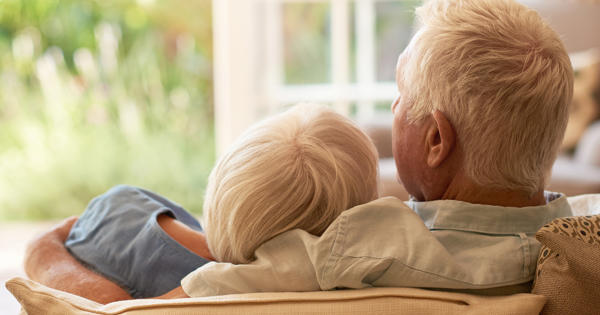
[119, 237]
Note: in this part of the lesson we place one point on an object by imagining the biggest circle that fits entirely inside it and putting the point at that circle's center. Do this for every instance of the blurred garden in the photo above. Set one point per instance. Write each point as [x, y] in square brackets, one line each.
[99, 93]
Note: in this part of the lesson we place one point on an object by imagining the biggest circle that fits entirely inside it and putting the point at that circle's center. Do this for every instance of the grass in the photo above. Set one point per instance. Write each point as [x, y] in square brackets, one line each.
[95, 94]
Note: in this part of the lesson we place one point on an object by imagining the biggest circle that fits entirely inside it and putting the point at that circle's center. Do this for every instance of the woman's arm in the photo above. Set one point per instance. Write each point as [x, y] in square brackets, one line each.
[187, 237]
[47, 261]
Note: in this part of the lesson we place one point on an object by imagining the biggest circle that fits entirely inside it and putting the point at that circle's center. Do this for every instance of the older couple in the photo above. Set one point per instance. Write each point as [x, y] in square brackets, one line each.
[484, 88]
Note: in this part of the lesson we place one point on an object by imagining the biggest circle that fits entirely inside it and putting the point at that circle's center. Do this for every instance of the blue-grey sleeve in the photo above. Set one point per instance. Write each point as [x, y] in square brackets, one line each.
[119, 237]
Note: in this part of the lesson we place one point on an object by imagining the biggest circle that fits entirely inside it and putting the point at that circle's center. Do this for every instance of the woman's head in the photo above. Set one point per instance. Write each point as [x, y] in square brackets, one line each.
[299, 169]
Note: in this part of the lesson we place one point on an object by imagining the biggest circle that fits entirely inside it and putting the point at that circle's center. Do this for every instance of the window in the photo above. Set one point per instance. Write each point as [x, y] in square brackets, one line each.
[270, 54]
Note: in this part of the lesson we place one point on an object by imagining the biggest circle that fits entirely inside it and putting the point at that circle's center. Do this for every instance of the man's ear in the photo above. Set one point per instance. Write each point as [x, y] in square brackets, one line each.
[440, 139]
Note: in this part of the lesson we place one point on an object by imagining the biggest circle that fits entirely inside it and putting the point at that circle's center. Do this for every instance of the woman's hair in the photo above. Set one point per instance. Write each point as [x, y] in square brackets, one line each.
[299, 169]
[502, 77]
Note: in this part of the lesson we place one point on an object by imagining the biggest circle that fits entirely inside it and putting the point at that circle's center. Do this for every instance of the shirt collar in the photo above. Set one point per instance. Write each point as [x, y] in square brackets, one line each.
[460, 215]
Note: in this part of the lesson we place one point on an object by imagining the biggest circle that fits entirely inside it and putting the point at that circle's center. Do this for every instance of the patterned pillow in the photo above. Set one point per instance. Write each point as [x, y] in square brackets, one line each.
[568, 268]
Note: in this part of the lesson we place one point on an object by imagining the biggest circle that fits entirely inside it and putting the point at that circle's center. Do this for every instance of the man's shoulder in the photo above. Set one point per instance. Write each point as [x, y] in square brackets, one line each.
[390, 205]
[380, 214]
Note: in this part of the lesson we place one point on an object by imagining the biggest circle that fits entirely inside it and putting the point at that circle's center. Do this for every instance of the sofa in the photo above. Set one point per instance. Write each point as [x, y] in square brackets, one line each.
[38, 299]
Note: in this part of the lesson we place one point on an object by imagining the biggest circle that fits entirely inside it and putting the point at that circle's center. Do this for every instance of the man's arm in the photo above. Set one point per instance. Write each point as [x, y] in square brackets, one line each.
[47, 261]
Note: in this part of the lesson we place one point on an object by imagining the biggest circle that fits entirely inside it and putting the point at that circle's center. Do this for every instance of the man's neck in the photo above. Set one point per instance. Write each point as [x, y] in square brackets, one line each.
[464, 189]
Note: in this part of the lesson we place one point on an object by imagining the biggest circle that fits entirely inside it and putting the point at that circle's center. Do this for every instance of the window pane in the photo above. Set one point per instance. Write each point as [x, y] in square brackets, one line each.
[306, 39]
[394, 28]
[352, 36]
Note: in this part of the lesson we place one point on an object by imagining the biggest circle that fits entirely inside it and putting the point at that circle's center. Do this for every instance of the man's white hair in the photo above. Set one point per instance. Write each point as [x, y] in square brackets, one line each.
[299, 169]
[502, 77]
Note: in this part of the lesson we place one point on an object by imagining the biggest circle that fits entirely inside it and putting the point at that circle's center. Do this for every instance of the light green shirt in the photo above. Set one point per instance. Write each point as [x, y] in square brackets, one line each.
[388, 243]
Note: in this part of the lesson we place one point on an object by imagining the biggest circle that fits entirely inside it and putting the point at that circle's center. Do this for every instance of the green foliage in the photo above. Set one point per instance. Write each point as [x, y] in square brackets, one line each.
[306, 36]
[99, 93]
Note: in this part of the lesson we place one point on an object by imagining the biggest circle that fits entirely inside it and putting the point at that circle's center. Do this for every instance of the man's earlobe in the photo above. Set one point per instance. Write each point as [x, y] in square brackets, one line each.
[441, 139]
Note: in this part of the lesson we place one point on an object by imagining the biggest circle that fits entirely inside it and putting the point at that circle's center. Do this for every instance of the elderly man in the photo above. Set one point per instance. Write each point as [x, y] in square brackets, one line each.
[484, 88]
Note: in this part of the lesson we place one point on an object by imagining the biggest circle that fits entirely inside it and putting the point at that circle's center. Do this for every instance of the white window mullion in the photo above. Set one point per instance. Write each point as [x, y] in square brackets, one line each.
[365, 55]
[274, 65]
[234, 71]
[340, 54]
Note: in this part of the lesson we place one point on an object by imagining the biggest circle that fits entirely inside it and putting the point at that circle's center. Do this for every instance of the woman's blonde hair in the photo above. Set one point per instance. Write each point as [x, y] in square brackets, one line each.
[502, 77]
[299, 169]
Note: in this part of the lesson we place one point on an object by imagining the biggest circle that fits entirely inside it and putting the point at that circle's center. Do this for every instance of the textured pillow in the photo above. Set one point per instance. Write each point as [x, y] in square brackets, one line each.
[38, 299]
[568, 268]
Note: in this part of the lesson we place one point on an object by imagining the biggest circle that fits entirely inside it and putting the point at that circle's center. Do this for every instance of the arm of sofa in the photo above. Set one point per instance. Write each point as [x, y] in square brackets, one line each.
[588, 148]
[38, 299]
[581, 173]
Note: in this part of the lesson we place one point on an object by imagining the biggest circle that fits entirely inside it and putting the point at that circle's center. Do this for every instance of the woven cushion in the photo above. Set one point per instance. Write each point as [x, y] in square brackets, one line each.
[568, 270]
[38, 299]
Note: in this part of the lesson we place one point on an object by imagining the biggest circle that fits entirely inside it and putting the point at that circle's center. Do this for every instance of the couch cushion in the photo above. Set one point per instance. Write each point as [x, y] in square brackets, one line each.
[379, 129]
[568, 272]
[38, 299]
[388, 181]
[588, 148]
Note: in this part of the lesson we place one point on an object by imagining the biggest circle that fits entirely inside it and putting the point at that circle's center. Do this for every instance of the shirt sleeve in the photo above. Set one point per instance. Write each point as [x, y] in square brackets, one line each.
[282, 264]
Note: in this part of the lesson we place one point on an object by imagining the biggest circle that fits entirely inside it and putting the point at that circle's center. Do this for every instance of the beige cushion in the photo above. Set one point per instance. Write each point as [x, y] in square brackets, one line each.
[38, 299]
[571, 177]
[388, 181]
[379, 129]
[588, 148]
[568, 272]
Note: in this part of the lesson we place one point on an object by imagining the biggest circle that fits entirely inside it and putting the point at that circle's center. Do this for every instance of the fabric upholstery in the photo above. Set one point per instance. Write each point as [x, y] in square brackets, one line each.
[38, 299]
[588, 149]
[568, 272]
[379, 130]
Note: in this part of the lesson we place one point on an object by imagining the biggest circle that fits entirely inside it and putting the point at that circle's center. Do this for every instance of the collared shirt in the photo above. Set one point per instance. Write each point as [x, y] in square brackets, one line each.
[442, 244]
